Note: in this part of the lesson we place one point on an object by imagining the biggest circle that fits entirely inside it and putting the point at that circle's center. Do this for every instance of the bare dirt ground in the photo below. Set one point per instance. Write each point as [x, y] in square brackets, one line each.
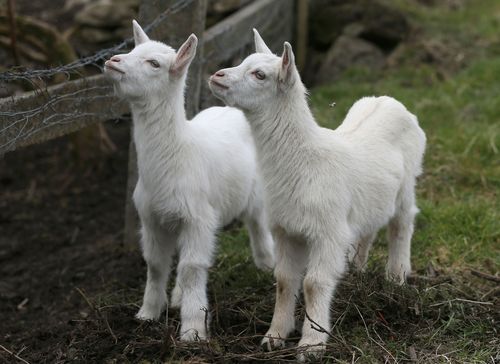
[60, 229]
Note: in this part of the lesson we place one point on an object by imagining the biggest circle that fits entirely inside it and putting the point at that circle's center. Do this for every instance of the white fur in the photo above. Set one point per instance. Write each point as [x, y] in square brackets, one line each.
[194, 177]
[328, 191]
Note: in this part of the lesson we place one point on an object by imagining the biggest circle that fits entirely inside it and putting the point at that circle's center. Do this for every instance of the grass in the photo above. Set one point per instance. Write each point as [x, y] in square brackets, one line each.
[445, 314]
[458, 193]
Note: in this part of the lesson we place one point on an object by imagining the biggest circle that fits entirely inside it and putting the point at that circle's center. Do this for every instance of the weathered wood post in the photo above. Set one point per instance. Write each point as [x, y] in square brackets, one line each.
[302, 32]
[173, 31]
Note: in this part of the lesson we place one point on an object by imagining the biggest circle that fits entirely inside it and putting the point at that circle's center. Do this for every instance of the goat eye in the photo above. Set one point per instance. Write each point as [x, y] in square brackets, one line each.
[154, 63]
[259, 75]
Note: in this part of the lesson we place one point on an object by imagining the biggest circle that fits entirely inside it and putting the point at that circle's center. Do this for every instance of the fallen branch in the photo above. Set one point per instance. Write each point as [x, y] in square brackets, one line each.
[461, 300]
[14, 355]
[487, 276]
[318, 327]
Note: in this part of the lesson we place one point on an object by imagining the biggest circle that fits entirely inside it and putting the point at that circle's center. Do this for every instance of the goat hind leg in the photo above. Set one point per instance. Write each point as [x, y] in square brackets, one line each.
[399, 234]
[361, 252]
[261, 241]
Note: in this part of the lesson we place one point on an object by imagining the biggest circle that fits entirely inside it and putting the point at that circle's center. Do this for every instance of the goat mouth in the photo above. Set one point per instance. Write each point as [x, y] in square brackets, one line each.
[108, 66]
[219, 84]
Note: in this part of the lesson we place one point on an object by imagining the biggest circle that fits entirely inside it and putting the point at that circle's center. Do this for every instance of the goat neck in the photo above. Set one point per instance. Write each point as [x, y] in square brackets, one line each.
[284, 127]
[160, 127]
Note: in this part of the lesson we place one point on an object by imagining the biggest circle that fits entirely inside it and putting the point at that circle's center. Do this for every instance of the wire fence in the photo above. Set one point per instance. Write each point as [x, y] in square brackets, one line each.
[59, 110]
[95, 59]
[50, 111]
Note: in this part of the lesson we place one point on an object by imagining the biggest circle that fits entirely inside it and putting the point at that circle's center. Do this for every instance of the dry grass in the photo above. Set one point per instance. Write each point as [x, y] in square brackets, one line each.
[435, 318]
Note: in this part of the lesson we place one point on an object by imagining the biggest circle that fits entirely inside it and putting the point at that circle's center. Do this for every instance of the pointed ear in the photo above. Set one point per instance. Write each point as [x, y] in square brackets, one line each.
[139, 34]
[287, 67]
[185, 55]
[260, 45]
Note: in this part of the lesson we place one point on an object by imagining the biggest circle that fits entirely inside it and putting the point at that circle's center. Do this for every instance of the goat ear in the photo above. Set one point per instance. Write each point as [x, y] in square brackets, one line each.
[185, 55]
[139, 34]
[260, 45]
[287, 66]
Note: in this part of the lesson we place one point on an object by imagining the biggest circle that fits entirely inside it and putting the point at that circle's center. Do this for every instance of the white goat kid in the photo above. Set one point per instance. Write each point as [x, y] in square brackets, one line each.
[328, 192]
[194, 177]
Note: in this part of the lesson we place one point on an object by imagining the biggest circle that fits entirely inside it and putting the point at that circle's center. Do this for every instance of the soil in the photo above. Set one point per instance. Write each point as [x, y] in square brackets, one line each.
[60, 232]
[61, 229]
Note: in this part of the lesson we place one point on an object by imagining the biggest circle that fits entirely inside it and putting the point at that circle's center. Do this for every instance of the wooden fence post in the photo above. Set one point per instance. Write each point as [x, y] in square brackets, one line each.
[302, 32]
[173, 31]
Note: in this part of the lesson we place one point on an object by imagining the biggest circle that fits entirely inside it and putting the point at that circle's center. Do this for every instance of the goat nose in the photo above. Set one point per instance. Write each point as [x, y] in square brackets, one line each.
[115, 59]
[219, 74]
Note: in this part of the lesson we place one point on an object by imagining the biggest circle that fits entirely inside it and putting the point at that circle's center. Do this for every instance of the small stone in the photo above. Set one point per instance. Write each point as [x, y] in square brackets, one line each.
[96, 35]
[105, 14]
[348, 51]
[379, 23]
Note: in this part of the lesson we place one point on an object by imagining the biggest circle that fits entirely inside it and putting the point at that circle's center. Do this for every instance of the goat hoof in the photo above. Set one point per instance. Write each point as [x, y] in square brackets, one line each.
[265, 264]
[271, 342]
[310, 352]
[145, 314]
[192, 335]
[398, 275]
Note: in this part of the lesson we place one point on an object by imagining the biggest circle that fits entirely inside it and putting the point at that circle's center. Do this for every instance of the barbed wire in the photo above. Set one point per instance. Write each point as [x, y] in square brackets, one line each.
[58, 108]
[95, 58]
[50, 111]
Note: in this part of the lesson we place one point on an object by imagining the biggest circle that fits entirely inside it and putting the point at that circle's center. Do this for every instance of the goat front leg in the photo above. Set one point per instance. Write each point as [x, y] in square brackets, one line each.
[327, 264]
[158, 247]
[197, 246]
[291, 258]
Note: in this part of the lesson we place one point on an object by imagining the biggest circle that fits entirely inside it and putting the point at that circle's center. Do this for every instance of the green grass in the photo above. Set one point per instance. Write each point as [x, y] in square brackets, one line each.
[458, 193]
